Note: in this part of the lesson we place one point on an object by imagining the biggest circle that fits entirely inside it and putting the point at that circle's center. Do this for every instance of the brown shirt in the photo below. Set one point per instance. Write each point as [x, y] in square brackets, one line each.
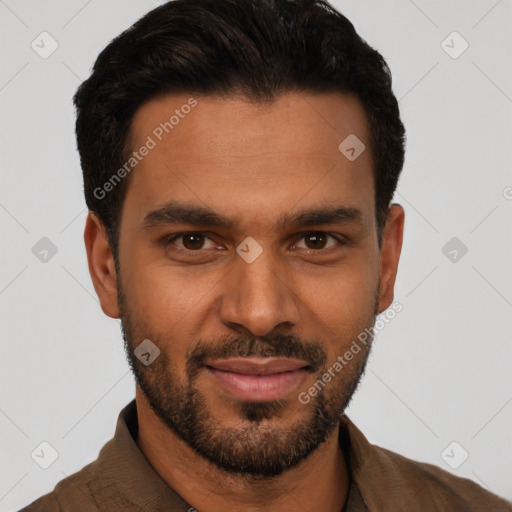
[121, 479]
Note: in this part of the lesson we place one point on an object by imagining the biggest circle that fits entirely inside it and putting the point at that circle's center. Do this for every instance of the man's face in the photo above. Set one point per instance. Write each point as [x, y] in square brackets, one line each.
[293, 293]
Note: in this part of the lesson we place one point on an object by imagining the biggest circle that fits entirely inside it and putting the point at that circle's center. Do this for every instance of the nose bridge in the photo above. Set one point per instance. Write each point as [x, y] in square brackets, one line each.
[258, 296]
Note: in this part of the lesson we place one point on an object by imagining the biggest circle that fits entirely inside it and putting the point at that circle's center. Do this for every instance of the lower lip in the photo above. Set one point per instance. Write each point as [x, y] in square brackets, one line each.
[259, 387]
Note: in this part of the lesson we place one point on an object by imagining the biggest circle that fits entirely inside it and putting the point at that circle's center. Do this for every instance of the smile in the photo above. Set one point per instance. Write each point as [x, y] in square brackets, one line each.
[259, 379]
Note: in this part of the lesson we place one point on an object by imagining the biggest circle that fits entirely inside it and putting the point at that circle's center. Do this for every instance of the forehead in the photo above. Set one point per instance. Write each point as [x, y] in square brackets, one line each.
[244, 158]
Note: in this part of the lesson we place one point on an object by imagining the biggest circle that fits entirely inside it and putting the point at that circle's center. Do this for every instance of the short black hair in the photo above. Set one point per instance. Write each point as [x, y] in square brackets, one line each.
[255, 49]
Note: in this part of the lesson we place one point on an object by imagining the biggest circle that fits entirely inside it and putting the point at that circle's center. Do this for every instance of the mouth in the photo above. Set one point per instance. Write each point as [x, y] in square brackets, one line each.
[258, 379]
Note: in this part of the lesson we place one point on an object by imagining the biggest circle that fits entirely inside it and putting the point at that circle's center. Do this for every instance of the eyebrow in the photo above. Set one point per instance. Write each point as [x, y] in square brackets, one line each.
[179, 213]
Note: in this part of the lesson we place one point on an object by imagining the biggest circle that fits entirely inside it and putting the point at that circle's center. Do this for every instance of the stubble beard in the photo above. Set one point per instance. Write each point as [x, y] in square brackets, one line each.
[257, 447]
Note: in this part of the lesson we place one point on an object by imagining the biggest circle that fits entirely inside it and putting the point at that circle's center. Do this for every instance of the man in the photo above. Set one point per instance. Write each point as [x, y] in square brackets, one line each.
[239, 160]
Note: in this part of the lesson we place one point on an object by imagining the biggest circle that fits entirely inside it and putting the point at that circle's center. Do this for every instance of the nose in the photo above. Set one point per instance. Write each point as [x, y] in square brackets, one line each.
[258, 297]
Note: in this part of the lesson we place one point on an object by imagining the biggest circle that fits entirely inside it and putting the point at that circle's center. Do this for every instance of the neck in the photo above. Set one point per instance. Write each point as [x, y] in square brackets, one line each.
[319, 482]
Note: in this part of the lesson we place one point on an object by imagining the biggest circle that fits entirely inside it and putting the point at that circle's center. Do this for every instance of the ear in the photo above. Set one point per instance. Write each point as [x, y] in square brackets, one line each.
[101, 264]
[390, 255]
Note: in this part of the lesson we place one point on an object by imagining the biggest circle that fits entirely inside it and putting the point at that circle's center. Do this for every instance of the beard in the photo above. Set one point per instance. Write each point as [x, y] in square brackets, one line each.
[256, 446]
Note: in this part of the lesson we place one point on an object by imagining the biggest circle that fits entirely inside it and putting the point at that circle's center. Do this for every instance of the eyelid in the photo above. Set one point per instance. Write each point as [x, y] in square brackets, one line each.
[169, 239]
[338, 238]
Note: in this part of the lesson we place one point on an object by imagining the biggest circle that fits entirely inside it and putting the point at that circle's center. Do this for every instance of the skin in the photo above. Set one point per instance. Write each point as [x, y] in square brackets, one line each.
[252, 163]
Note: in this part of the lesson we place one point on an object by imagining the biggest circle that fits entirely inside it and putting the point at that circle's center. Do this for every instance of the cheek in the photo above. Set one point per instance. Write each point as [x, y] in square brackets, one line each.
[349, 288]
[341, 306]
[172, 302]
[159, 290]
[169, 302]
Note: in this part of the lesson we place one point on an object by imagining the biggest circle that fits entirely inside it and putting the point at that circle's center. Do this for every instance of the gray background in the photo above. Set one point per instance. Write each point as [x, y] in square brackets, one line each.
[440, 371]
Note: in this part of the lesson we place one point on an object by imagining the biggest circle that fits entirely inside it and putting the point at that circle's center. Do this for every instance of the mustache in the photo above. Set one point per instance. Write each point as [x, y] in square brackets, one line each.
[278, 345]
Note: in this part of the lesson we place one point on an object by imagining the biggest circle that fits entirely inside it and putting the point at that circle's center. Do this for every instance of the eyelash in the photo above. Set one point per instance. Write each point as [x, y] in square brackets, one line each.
[168, 240]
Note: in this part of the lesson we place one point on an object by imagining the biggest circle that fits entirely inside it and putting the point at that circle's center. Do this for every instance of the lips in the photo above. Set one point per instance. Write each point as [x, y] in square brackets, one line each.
[258, 379]
[258, 366]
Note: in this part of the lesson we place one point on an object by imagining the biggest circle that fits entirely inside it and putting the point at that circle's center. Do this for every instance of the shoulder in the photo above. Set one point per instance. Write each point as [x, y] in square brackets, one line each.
[435, 485]
[72, 494]
[46, 503]
[387, 479]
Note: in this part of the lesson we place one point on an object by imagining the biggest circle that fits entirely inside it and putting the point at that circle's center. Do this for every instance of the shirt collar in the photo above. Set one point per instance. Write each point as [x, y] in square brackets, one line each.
[140, 484]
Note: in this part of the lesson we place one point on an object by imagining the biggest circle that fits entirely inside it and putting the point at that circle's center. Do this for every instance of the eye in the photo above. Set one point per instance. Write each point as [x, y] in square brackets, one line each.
[191, 241]
[317, 240]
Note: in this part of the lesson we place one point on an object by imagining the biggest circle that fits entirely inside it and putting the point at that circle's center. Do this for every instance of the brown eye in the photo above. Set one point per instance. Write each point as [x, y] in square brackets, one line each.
[193, 241]
[315, 240]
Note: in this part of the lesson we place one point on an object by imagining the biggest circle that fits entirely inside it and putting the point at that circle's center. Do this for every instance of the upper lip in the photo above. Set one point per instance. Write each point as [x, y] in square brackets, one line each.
[258, 366]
